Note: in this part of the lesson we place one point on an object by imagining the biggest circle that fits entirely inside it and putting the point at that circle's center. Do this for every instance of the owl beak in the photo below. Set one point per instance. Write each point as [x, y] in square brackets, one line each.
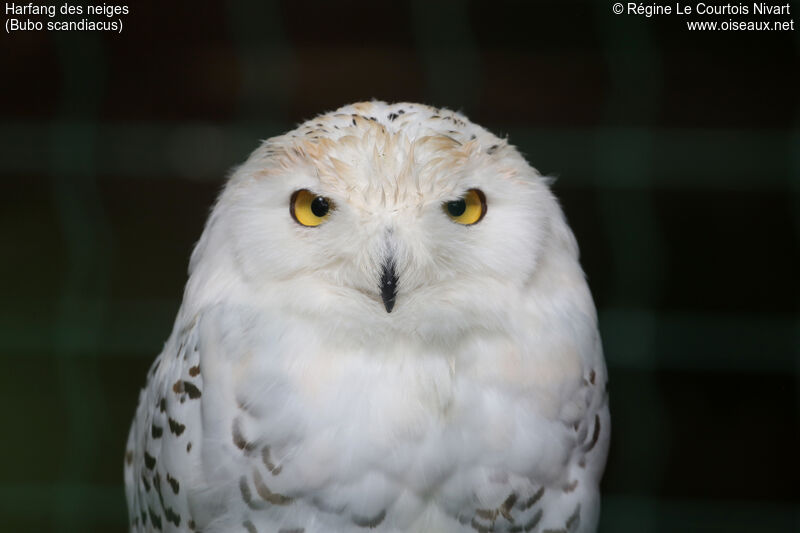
[388, 285]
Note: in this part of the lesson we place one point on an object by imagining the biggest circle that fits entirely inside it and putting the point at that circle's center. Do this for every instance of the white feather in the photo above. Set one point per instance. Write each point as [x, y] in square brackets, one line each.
[478, 403]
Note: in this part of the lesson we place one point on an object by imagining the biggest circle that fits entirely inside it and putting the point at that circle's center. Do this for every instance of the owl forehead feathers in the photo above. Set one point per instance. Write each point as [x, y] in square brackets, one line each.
[374, 152]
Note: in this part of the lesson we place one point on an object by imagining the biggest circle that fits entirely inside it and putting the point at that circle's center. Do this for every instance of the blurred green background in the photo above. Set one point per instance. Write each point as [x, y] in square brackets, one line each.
[678, 164]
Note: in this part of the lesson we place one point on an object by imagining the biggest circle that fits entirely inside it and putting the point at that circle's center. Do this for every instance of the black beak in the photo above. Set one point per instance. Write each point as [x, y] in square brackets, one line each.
[388, 285]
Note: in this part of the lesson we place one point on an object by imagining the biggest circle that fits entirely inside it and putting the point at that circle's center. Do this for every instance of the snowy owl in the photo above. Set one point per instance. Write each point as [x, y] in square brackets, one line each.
[385, 327]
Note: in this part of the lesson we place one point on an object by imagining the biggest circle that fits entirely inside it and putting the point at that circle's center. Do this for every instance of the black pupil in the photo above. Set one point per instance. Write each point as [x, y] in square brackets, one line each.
[457, 207]
[319, 206]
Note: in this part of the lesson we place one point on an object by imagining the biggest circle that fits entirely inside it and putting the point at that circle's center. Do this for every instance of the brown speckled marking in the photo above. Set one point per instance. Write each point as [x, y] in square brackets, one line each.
[145, 483]
[491, 514]
[249, 526]
[265, 456]
[480, 528]
[295, 530]
[188, 447]
[156, 431]
[487, 514]
[194, 371]
[595, 435]
[575, 519]
[172, 516]
[162, 405]
[362, 521]
[157, 485]
[191, 525]
[247, 496]
[173, 483]
[527, 504]
[192, 390]
[154, 518]
[534, 521]
[266, 494]
[149, 461]
[592, 377]
[572, 522]
[176, 427]
[128, 457]
[492, 149]
[570, 487]
[508, 505]
[241, 404]
[239, 440]
[177, 387]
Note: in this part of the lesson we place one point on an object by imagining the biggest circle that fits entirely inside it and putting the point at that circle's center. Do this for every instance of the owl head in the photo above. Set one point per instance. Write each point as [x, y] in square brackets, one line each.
[383, 219]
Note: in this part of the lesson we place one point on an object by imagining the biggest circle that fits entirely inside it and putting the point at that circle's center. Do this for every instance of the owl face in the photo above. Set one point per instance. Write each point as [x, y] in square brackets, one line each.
[394, 218]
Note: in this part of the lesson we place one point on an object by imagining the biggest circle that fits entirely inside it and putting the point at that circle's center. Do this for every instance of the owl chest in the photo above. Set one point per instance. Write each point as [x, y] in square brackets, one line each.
[366, 405]
[341, 423]
[376, 393]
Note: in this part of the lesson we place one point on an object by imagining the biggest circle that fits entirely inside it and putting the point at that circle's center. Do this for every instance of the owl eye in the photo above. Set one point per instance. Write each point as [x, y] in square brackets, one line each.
[469, 209]
[309, 209]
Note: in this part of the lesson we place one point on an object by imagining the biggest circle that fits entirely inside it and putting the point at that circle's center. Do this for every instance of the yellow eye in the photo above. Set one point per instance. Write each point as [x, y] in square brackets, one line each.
[309, 209]
[468, 209]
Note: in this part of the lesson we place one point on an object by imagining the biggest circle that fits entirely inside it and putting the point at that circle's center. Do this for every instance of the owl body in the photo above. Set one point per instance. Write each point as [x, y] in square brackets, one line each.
[387, 367]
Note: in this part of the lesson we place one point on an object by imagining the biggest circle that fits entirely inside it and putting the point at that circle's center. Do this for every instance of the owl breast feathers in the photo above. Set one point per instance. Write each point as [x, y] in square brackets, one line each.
[385, 327]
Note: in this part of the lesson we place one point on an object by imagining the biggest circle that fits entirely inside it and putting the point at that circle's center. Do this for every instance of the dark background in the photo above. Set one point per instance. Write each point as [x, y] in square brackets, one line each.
[678, 158]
